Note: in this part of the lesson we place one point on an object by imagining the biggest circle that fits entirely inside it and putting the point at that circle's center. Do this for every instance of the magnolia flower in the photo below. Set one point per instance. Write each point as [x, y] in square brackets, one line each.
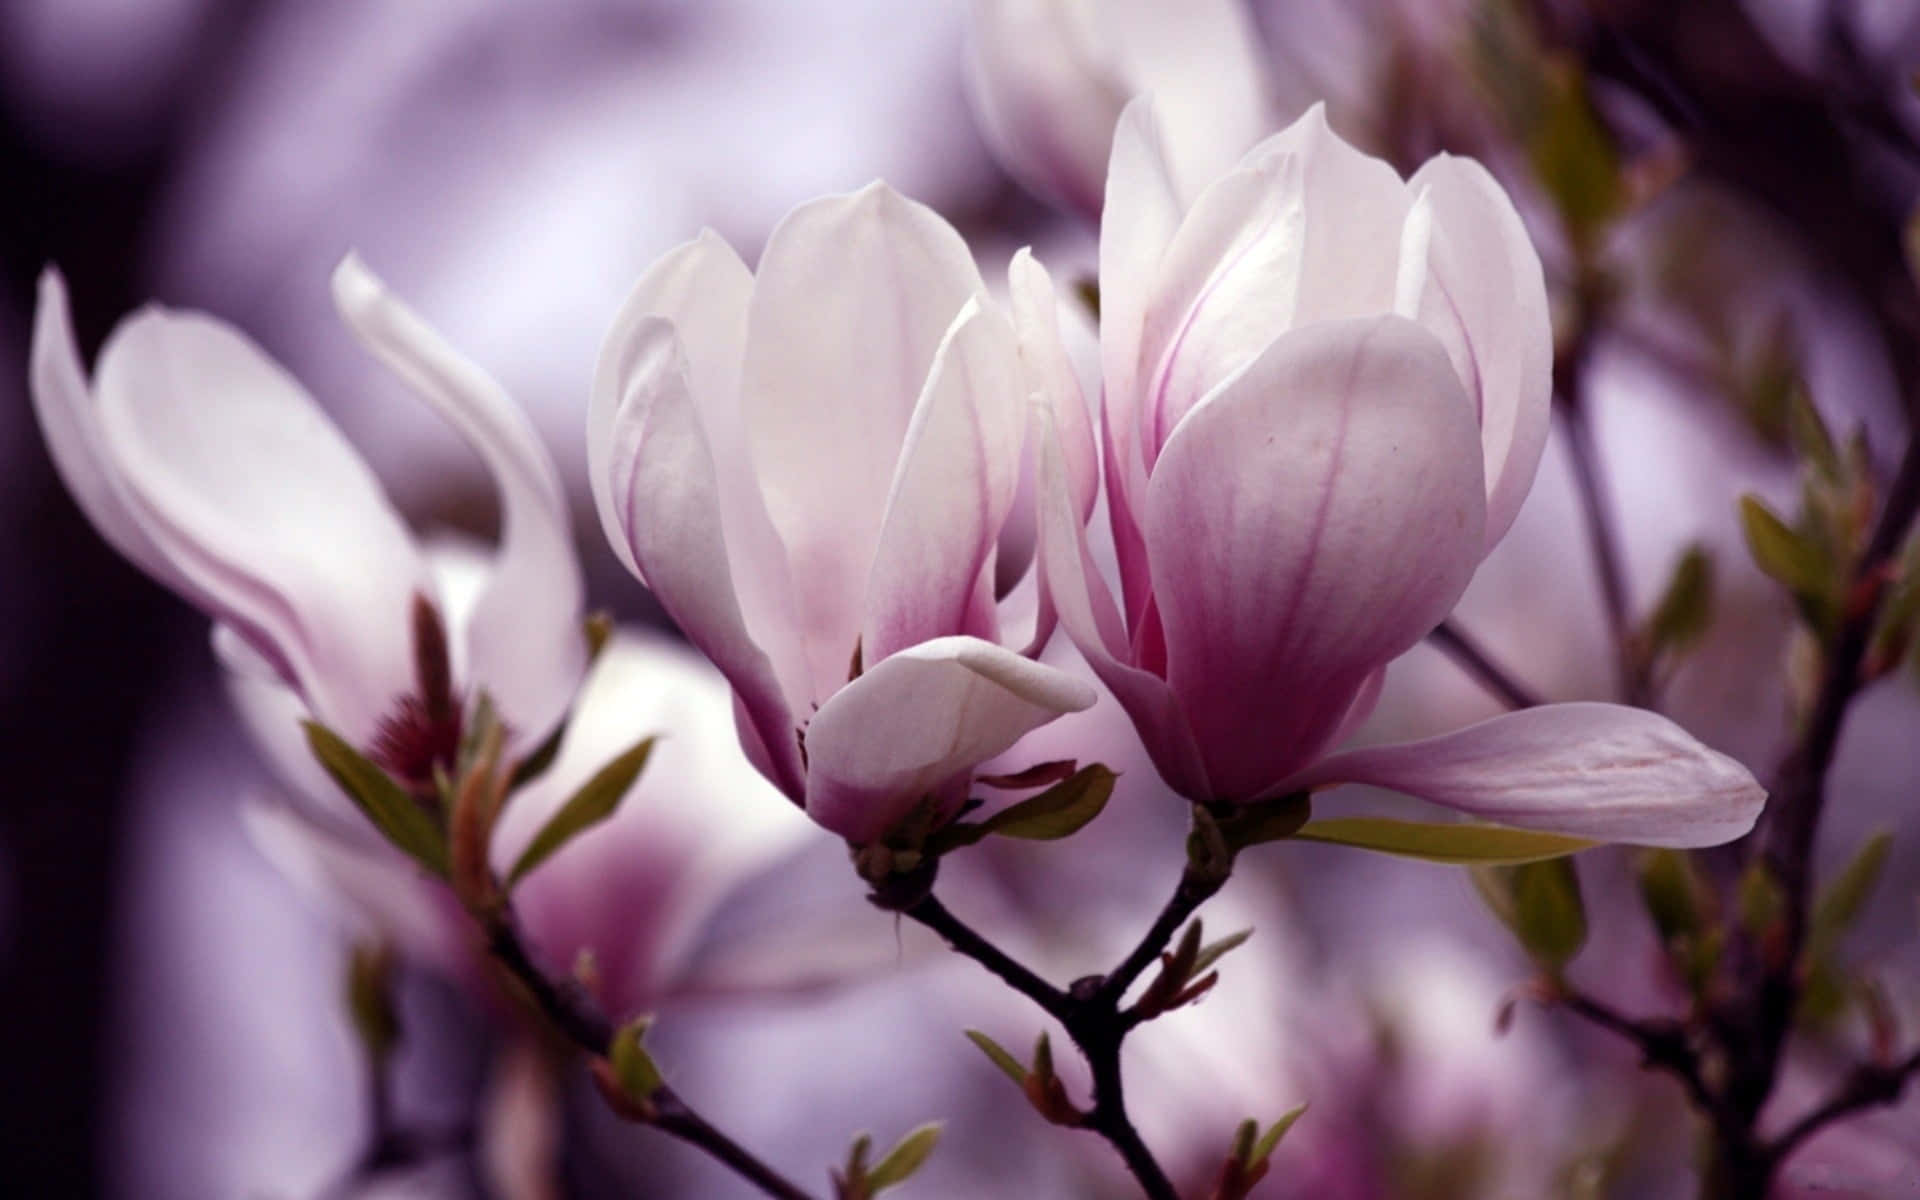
[1326, 395]
[1050, 77]
[212, 470]
[639, 893]
[812, 468]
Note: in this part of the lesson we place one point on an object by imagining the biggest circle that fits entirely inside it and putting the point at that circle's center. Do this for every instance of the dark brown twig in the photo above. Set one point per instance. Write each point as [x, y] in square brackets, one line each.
[1453, 641]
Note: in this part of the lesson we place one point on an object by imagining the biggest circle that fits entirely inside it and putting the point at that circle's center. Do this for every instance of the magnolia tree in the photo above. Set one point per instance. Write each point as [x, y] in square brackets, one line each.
[871, 490]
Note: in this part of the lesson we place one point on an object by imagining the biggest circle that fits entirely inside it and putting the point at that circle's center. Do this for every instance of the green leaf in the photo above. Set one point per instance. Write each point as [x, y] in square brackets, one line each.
[639, 1077]
[1808, 433]
[534, 765]
[1457, 845]
[370, 1001]
[1686, 608]
[1549, 917]
[592, 804]
[1842, 901]
[1013, 1067]
[1213, 951]
[1762, 901]
[1574, 156]
[1270, 1140]
[1060, 810]
[1671, 893]
[391, 808]
[1784, 555]
[905, 1158]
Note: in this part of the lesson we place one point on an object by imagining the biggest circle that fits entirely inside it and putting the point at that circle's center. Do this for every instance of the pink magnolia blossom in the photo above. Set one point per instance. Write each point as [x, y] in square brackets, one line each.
[1049, 78]
[212, 469]
[1327, 392]
[812, 468]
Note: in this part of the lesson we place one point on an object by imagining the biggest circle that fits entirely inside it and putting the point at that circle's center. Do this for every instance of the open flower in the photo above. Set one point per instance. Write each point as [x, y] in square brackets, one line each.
[812, 468]
[211, 469]
[1327, 393]
[1049, 78]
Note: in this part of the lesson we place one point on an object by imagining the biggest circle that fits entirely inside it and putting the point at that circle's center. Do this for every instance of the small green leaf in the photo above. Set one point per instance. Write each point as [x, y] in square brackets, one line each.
[1013, 1067]
[639, 1077]
[370, 1001]
[593, 803]
[1671, 893]
[1574, 157]
[1212, 952]
[1808, 433]
[1763, 902]
[1270, 1141]
[905, 1158]
[391, 808]
[1686, 608]
[1543, 908]
[1842, 901]
[534, 765]
[1784, 555]
[1457, 845]
[1060, 810]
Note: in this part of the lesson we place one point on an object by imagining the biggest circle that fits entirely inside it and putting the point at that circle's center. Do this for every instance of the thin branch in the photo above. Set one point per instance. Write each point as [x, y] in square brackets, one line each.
[1467, 653]
[1663, 1044]
[962, 937]
[1870, 1085]
[576, 1016]
[1194, 890]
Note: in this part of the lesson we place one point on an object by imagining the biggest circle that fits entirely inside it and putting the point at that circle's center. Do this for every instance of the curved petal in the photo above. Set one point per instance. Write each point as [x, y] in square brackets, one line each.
[1073, 588]
[1047, 93]
[1226, 289]
[1309, 521]
[666, 497]
[916, 724]
[524, 644]
[1599, 771]
[1201, 60]
[1142, 215]
[854, 295]
[951, 493]
[1485, 298]
[271, 713]
[256, 499]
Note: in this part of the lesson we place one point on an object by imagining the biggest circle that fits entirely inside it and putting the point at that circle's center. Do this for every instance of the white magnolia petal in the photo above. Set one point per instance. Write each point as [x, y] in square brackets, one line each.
[524, 644]
[1308, 522]
[1485, 297]
[951, 493]
[915, 725]
[1599, 771]
[853, 297]
[257, 500]
[666, 498]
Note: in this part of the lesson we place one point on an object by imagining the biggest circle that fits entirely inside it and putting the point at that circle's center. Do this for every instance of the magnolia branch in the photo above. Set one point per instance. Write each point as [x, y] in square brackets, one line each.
[1091, 1011]
[574, 1014]
[1453, 641]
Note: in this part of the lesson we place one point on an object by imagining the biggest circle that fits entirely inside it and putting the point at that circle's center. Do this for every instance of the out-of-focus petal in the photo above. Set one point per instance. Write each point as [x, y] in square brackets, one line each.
[952, 490]
[1309, 521]
[1047, 91]
[853, 296]
[253, 496]
[1142, 214]
[1599, 771]
[1486, 299]
[524, 642]
[1227, 287]
[917, 723]
[1201, 60]
[1086, 611]
[665, 496]
[1052, 380]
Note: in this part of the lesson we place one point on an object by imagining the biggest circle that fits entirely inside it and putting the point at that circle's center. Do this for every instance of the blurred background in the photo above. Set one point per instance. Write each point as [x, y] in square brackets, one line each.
[1718, 189]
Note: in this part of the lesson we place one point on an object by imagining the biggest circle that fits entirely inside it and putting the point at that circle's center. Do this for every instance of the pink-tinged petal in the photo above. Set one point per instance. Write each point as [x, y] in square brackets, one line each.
[854, 295]
[524, 645]
[916, 724]
[1599, 771]
[953, 488]
[1486, 299]
[254, 497]
[665, 494]
[1356, 205]
[1047, 92]
[1074, 589]
[271, 712]
[1201, 60]
[1308, 522]
[703, 289]
[63, 403]
[1142, 215]
[1227, 287]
